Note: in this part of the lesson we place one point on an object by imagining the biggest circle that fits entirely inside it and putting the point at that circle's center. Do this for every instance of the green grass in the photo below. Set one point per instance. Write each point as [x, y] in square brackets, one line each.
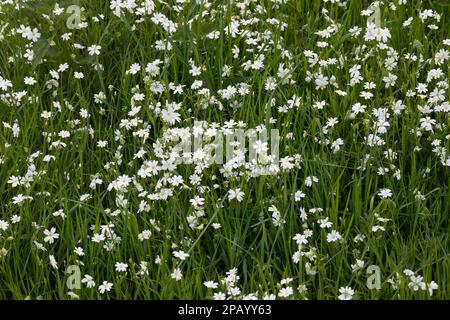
[416, 236]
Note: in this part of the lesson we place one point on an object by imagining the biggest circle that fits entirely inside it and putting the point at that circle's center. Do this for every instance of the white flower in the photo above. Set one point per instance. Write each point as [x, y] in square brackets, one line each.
[53, 262]
[300, 239]
[46, 114]
[277, 219]
[134, 68]
[50, 235]
[15, 219]
[40, 246]
[85, 197]
[269, 296]
[385, 193]
[408, 272]
[180, 255]
[359, 264]
[29, 81]
[321, 81]
[390, 80]
[98, 237]
[333, 236]
[197, 202]
[170, 115]
[336, 145]
[144, 235]
[260, 147]
[285, 292]
[3, 225]
[59, 213]
[441, 56]
[88, 280]
[20, 198]
[346, 293]
[121, 267]
[15, 181]
[102, 143]
[298, 196]
[84, 113]
[94, 50]
[325, 223]
[120, 183]
[432, 286]
[219, 296]
[176, 274]
[236, 194]
[79, 251]
[270, 84]
[105, 287]
[416, 283]
[210, 284]
[5, 84]
[427, 123]
[310, 180]
[78, 75]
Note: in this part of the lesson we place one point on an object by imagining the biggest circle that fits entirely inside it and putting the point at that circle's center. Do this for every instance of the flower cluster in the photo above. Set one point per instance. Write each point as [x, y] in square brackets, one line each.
[127, 142]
